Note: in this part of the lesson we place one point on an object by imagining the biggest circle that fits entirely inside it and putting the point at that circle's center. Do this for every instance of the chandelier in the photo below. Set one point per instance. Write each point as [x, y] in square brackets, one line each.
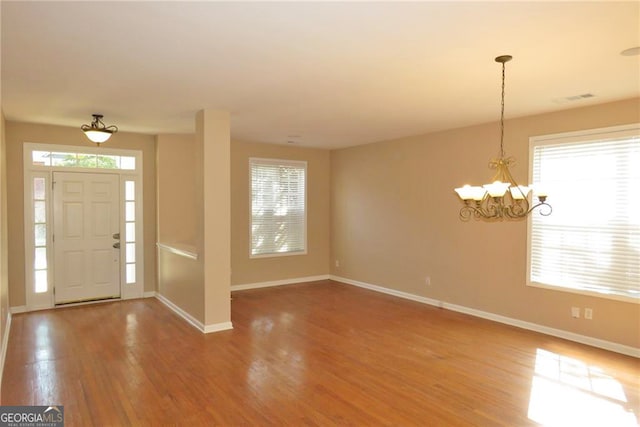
[97, 131]
[503, 197]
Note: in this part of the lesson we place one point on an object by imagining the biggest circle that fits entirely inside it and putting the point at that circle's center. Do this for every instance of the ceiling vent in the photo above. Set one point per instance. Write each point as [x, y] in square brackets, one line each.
[579, 97]
[573, 98]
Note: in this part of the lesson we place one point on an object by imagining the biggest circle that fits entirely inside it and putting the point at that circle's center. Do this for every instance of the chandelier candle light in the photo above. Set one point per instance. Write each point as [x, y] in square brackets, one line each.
[97, 131]
[503, 198]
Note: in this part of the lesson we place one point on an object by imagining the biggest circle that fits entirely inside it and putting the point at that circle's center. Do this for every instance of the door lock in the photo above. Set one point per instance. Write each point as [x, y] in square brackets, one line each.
[116, 236]
[116, 245]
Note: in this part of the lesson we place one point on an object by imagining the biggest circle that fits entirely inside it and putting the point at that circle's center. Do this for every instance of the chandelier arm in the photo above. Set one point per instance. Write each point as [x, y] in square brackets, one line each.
[491, 210]
[112, 129]
[477, 211]
[466, 212]
[516, 211]
[520, 208]
[545, 209]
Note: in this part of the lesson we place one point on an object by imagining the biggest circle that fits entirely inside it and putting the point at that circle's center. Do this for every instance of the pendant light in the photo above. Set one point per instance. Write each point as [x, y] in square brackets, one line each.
[97, 131]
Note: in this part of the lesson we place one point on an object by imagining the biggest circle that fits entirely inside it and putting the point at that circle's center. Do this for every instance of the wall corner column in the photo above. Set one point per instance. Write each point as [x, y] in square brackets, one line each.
[213, 151]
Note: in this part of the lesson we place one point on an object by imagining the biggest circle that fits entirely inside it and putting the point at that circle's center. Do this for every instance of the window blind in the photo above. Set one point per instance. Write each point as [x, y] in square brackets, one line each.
[278, 207]
[591, 241]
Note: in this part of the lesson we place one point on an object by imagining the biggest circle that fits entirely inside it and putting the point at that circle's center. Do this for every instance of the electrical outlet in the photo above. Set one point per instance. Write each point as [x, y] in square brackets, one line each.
[575, 312]
[337, 263]
[427, 280]
[588, 313]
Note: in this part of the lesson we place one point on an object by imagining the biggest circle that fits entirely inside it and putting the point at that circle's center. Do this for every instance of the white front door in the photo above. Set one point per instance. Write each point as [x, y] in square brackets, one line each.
[86, 227]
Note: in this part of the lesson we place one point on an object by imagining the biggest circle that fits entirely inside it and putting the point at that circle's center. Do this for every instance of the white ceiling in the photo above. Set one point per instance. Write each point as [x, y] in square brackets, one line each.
[326, 74]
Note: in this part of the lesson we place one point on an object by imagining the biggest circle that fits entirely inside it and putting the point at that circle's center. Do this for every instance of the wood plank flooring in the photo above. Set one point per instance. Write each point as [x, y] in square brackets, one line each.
[311, 354]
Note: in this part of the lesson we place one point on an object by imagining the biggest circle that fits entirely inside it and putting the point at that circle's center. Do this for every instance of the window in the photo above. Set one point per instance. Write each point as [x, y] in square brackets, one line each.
[39, 194]
[278, 207]
[82, 160]
[130, 231]
[591, 242]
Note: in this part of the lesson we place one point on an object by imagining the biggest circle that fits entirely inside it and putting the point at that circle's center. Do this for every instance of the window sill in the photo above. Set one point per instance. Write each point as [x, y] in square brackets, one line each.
[277, 254]
[596, 294]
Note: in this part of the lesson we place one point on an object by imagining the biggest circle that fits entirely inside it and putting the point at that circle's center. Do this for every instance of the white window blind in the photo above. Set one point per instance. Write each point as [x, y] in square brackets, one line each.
[278, 207]
[591, 241]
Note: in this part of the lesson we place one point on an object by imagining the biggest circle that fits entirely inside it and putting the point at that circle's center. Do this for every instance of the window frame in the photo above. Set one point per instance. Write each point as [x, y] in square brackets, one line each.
[584, 136]
[280, 162]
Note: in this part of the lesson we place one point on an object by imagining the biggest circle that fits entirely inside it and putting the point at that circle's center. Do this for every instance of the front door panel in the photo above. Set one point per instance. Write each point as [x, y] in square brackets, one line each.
[86, 217]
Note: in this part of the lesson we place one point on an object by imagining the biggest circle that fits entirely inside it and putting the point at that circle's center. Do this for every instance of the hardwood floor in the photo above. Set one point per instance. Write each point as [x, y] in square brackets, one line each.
[311, 354]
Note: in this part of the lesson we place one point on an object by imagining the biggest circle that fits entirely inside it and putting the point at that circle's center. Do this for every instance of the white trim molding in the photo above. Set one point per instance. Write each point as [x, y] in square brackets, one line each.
[180, 312]
[19, 309]
[5, 345]
[388, 291]
[215, 327]
[279, 282]
[582, 339]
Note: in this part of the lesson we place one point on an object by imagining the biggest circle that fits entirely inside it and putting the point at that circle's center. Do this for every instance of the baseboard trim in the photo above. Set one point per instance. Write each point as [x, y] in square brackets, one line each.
[5, 345]
[560, 333]
[387, 291]
[279, 282]
[180, 312]
[217, 327]
[18, 309]
[214, 327]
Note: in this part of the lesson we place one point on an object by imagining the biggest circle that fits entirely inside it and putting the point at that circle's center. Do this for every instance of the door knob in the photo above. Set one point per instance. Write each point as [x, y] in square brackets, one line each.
[116, 236]
[116, 245]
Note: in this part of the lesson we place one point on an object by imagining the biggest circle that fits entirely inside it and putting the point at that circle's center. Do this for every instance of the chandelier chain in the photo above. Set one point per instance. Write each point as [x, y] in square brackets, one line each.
[502, 116]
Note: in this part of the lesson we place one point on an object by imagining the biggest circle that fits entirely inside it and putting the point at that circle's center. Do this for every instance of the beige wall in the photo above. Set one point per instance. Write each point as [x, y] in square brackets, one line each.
[180, 279]
[4, 249]
[176, 188]
[177, 153]
[316, 261]
[395, 221]
[16, 134]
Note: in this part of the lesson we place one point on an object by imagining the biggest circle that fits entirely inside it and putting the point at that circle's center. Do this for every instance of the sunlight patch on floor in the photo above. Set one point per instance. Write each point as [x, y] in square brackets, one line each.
[568, 392]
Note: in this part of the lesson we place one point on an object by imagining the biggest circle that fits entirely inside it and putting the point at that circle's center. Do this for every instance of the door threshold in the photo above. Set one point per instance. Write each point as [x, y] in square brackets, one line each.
[85, 302]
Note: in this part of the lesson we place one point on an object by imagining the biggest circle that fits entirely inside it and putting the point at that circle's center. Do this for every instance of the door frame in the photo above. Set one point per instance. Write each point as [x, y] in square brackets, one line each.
[45, 299]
